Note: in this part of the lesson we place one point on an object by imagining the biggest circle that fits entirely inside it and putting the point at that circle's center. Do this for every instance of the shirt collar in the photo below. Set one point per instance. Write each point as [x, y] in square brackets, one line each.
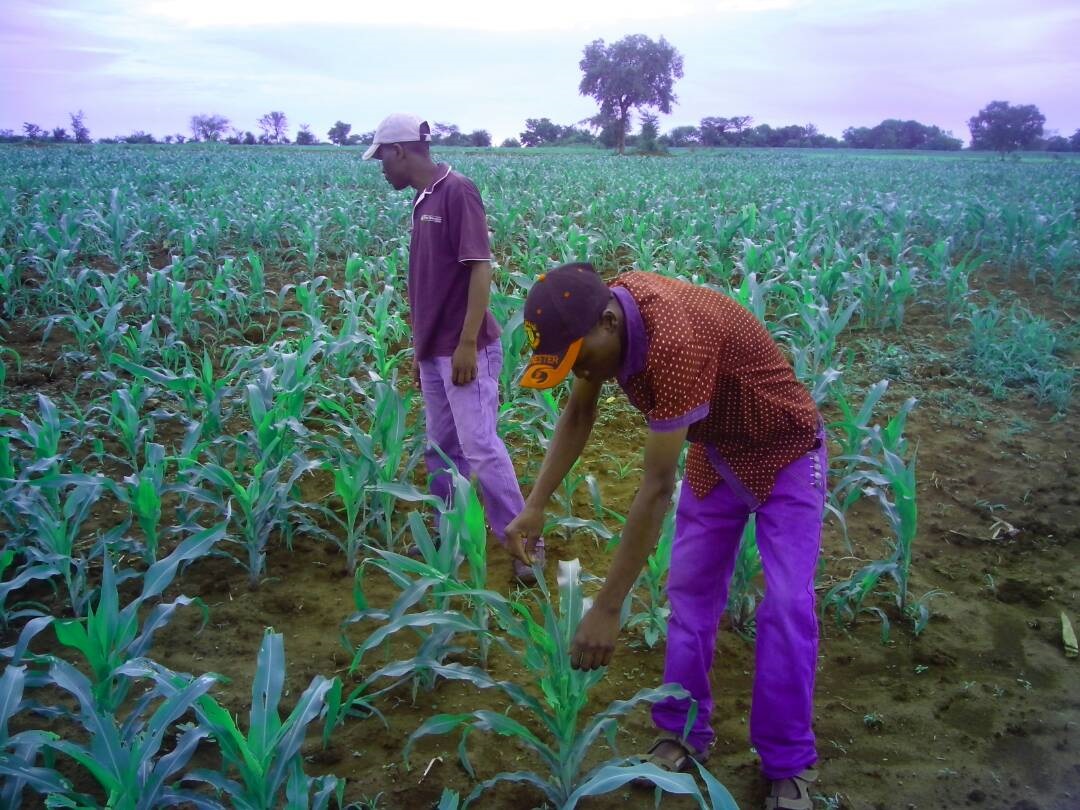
[431, 189]
[636, 339]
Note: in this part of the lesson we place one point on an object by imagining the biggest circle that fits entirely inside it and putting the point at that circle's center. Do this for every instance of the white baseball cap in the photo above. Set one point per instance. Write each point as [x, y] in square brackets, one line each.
[398, 128]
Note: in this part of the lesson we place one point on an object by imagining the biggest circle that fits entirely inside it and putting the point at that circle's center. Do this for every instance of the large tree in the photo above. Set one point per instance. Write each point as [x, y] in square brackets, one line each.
[540, 131]
[684, 136]
[339, 133]
[444, 134]
[633, 73]
[718, 131]
[78, 127]
[208, 127]
[893, 133]
[1004, 127]
[479, 137]
[275, 127]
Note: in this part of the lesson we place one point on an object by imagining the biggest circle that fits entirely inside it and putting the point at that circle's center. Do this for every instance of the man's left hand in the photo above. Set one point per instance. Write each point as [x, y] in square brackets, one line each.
[594, 641]
[463, 363]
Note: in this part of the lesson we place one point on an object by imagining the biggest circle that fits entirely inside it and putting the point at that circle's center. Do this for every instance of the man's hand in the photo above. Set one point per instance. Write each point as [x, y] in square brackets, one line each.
[523, 532]
[594, 641]
[463, 363]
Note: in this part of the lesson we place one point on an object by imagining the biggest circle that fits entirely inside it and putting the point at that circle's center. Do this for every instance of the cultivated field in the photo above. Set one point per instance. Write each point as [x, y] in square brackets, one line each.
[209, 428]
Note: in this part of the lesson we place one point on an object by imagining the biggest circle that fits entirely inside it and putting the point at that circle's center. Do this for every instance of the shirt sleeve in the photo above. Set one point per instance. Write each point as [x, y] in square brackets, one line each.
[682, 376]
[468, 224]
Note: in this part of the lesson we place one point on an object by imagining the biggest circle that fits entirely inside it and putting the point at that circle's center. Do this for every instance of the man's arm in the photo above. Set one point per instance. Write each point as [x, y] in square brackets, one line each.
[571, 432]
[594, 641]
[464, 359]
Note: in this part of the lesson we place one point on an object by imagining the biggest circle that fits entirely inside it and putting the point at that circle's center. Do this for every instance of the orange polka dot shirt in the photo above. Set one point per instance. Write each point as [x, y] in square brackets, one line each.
[695, 358]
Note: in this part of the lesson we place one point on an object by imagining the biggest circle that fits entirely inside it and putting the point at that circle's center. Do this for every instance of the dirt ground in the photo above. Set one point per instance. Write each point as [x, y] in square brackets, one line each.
[981, 710]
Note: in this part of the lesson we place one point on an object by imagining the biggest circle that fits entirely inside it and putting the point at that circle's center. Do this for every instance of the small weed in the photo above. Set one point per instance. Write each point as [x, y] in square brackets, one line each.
[834, 802]
[873, 721]
[1015, 348]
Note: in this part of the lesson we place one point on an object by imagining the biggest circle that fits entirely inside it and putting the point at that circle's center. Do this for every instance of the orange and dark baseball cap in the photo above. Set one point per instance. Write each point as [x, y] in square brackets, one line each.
[560, 310]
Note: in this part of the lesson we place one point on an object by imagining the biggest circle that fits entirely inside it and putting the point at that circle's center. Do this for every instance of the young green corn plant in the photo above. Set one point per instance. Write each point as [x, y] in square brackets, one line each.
[260, 506]
[117, 227]
[398, 449]
[385, 330]
[142, 492]
[13, 291]
[19, 751]
[22, 576]
[40, 439]
[115, 288]
[256, 279]
[883, 293]
[127, 759]
[267, 758]
[277, 401]
[110, 635]
[951, 279]
[435, 578]
[863, 441]
[181, 316]
[351, 462]
[889, 477]
[530, 413]
[54, 513]
[852, 430]
[201, 390]
[98, 330]
[124, 420]
[655, 610]
[437, 629]
[545, 655]
[507, 307]
[14, 358]
[346, 346]
[813, 348]
[9, 515]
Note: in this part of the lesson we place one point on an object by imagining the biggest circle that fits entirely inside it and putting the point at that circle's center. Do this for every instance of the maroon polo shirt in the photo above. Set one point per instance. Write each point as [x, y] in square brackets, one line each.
[449, 228]
[696, 358]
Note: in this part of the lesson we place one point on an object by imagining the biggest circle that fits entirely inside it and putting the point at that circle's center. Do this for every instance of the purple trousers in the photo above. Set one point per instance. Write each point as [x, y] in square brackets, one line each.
[707, 534]
[461, 420]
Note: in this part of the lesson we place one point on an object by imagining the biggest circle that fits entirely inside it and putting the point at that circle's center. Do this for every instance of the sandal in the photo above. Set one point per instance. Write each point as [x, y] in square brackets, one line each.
[802, 782]
[683, 763]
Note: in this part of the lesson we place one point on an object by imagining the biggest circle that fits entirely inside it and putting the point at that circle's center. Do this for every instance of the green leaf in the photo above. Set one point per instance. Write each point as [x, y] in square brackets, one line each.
[611, 777]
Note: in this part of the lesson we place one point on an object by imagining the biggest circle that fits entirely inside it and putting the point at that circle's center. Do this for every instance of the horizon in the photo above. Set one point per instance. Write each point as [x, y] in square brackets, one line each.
[834, 63]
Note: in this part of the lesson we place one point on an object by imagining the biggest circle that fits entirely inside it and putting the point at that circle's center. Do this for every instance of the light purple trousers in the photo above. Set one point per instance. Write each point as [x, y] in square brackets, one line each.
[707, 534]
[461, 420]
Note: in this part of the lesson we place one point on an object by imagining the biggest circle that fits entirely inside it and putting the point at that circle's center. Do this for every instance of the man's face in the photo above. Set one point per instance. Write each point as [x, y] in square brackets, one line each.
[392, 157]
[600, 353]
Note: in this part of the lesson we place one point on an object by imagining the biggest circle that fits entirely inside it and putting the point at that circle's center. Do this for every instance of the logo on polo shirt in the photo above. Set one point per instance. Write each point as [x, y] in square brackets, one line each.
[532, 334]
[431, 218]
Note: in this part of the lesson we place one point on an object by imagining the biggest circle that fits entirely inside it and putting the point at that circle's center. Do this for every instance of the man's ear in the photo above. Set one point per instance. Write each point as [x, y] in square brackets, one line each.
[608, 319]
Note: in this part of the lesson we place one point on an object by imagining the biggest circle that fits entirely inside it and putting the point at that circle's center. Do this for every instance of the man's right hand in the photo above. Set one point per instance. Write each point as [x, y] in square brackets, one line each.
[523, 532]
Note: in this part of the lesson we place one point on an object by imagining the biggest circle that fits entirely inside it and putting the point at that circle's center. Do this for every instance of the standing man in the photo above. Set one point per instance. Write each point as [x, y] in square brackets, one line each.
[455, 338]
[701, 369]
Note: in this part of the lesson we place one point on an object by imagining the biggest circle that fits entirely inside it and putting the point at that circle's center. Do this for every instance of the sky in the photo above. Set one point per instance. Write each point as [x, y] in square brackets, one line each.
[150, 65]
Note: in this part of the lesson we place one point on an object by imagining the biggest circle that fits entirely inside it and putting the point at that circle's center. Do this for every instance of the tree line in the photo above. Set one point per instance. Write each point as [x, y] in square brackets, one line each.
[633, 74]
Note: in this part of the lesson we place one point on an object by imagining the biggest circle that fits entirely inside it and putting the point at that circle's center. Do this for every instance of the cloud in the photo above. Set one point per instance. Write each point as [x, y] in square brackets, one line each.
[477, 15]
